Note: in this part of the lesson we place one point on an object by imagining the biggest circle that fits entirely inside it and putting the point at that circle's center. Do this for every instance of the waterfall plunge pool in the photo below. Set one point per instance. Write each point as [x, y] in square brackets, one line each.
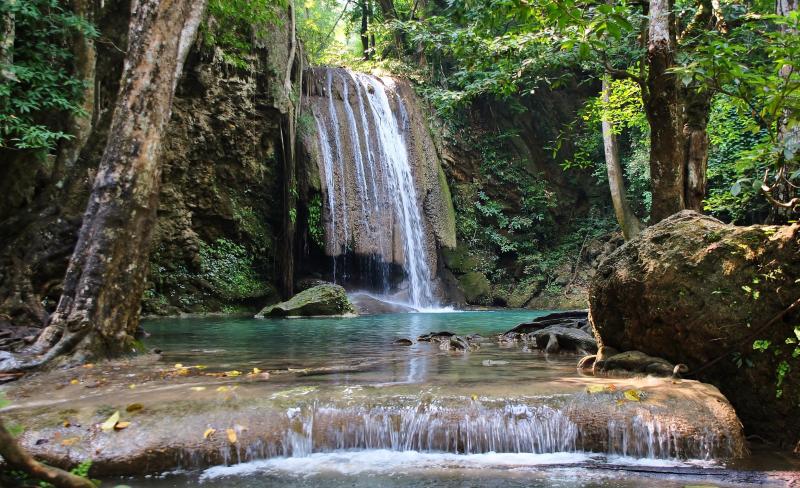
[344, 405]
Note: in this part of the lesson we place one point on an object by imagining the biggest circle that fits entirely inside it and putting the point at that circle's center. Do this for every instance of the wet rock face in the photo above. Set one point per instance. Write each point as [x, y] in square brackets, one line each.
[696, 291]
[556, 332]
[362, 128]
[321, 300]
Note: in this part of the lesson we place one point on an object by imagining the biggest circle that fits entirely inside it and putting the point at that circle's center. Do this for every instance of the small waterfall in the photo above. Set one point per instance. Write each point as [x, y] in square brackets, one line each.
[475, 428]
[373, 206]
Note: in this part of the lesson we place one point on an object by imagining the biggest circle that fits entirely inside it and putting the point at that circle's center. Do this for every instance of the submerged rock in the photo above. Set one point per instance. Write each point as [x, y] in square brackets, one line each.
[696, 291]
[402, 342]
[367, 304]
[559, 331]
[320, 300]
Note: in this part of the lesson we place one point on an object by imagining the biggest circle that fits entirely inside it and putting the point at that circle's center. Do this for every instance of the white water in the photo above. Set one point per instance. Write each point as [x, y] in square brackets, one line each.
[383, 181]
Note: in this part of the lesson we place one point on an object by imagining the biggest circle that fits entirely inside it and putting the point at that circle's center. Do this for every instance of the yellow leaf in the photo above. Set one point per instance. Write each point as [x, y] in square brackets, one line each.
[231, 435]
[595, 389]
[122, 425]
[134, 407]
[178, 366]
[633, 395]
[66, 423]
[233, 373]
[208, 433]
[474, 397]
[74, 382]
[88, 366]
[109, 424]
[131, 386]
[223, 389]
[256, 370]
[200, 366]
[69, 442]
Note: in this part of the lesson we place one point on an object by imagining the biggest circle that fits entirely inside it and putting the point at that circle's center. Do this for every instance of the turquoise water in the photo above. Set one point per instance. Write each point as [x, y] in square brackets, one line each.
[337, 354]
[280, 344]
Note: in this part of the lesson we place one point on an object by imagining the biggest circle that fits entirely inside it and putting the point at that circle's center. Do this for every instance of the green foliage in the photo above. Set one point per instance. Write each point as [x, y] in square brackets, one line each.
[37, 88]
[757, 68]
[315, 228]
[232, 25]
[229, 268]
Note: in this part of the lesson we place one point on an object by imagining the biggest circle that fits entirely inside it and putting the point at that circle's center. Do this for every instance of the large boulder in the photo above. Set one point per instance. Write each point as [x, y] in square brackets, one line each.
[694, 290]
[320, 300]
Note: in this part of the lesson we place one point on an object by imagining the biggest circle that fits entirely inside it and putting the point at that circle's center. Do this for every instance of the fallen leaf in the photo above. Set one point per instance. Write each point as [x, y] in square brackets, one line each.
[474, 397]
[256, 370]
[66, 423]
[233, 373]
[208, 433]
[223, 389]
[74, 382]
[88, 366]
[633, 395]
[70, 442]
[231, 435]
[131, 386]
[620, 402]
[134, 407]
[122, 425]
[109, 424]
[595, 389]
[612, 387]
[178, 366]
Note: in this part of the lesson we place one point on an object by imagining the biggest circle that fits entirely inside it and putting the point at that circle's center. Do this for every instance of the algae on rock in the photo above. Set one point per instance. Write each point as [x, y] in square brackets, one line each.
[321, 300]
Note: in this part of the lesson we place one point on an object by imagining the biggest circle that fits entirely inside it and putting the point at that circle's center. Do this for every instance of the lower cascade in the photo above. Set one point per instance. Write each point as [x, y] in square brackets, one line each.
[376, 165]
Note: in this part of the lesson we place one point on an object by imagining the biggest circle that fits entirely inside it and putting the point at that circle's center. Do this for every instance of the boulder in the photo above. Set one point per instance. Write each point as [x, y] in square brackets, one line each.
[320, 300]
[635, 362]
[476, 287]
[696, 291]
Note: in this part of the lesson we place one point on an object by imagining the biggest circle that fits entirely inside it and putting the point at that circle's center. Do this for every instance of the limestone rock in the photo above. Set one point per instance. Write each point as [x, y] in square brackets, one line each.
[692, 290]
[635, 362]
[321, 300]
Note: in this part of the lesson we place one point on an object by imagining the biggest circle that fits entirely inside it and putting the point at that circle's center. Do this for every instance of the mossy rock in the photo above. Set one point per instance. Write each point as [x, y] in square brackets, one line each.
[321, 300]
[459, 260]
[523, 294]
[476, 287]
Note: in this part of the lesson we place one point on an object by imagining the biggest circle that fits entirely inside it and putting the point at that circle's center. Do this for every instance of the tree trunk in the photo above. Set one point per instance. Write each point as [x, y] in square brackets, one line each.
[98, 312]
[7, 41]
[17, 458]
[365, 30]
[665, 115]
[390, 14]
[79, 126]
[698, 107]
[627, 219]
[289, 141]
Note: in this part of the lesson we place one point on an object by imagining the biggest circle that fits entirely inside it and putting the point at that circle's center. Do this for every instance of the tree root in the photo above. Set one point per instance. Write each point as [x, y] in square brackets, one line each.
[17, 458]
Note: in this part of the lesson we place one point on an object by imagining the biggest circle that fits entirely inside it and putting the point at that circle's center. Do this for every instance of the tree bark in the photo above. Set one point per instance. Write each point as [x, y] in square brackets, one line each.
[98, 312]
[665, 115]
[365, 30]
[7, 41]
[17, 458]
[698, 107]
[627, 219]
[79, 125]
[289, 141]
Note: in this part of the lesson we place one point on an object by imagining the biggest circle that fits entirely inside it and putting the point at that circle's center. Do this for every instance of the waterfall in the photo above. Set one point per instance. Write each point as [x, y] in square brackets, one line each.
[373, 206]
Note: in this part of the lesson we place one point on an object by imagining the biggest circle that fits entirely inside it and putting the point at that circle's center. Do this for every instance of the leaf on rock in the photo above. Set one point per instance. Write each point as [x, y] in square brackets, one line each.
[70, 441]
[208, 433]
[633, 395]
[595, 389]
[231, 435]
[134, 407]
[109, 424]
[122, 425]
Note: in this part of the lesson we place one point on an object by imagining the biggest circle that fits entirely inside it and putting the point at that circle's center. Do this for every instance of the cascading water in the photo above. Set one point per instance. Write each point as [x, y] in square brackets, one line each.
[373, 206]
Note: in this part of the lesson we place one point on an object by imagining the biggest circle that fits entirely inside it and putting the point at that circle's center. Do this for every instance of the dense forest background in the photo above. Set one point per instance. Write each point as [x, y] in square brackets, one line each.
[559, 123]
